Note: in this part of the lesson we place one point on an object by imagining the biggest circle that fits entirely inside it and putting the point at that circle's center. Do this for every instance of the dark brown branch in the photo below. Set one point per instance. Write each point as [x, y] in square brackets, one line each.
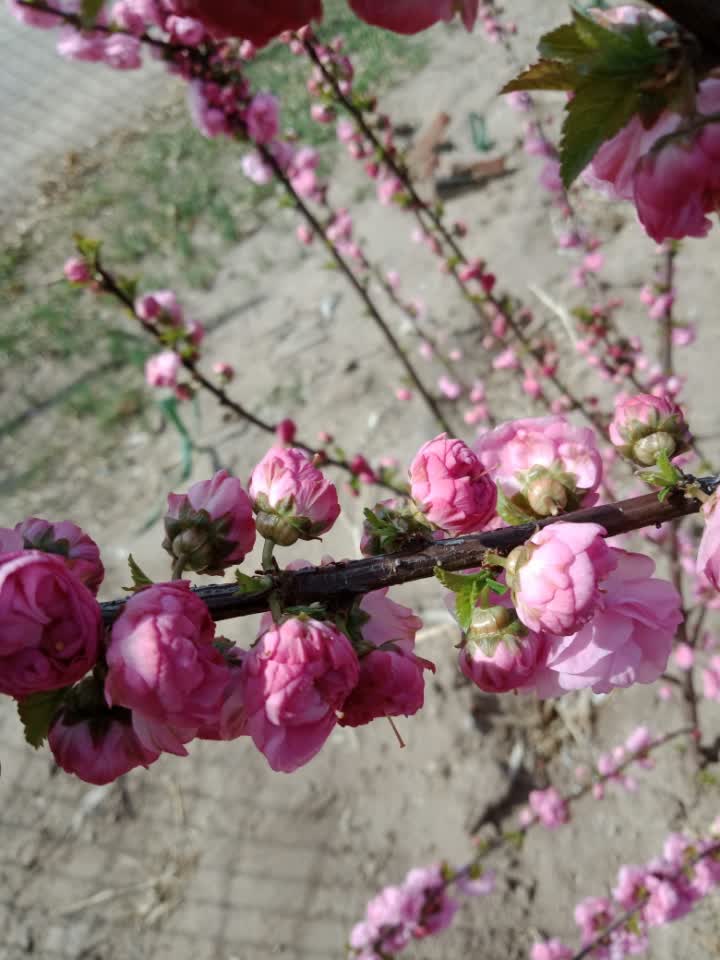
[700, 17]
[111, 286]
[340, 582]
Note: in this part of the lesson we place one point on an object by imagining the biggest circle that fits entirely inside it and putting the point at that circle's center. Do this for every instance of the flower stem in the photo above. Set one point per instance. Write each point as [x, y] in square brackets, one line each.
[268, 561]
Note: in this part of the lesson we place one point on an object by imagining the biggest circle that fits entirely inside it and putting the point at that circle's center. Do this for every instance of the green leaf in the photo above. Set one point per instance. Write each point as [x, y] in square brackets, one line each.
[87, 247]
[563, 43]
[667, 470]
[247, 586]
[468, 589]
[89, 10]
[511, 513]
[139, 578]
[544, 75]
[36, 714]
[601, 107]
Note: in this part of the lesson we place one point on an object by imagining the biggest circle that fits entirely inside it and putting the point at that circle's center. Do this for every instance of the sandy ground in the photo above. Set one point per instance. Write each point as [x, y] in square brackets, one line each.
[216, 857]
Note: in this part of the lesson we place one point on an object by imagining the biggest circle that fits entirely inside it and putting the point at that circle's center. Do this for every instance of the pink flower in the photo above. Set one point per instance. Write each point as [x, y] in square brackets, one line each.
[708, 558]
[255, 169]
[50, 624]
[74, 45]
[161, 661]
[230, 721]
[449, 388]
[645, 425]
[185, 30]
[613, 166]
[711, 679]
[549, 807]
[669, 187]
[391, 682]
[285, 431]
[161, 370]
[255, 20]
[511, 666]
[162, 305]
[412, 16]
[627, 641]
[556, 576]
[262, 118]
[34, 18]
[391, 918]
[451, 486]
[76, 270]
[631, 888]
[224, 370]
[210, 527]
[122, 52]
[291, 497]
[551, 950]
[97, 748]
[296, 677]
[524, 454]
[593, 915]
[79, 552]
[438, 909]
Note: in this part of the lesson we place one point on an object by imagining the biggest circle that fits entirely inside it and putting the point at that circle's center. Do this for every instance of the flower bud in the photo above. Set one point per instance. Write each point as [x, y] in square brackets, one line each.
[547, 495]
[498, 654]
[645, 426]
[291, 498]
[211, 526]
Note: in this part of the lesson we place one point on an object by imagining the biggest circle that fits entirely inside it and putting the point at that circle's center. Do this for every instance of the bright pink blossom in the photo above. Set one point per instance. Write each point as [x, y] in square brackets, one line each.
[210, 527]
[98, 749]
[64, 539]
[161, 370]
[255, 20]
[160, 305]
[50, 624]
[161, 660]
[629, 638]
[285, 430]
[451, 486]
[296, 678]
[292, 498]
[230, 721]
[391, 684]
[76, 270]
[412, 16]
[511, 666]
[556, 585]
[262, 118]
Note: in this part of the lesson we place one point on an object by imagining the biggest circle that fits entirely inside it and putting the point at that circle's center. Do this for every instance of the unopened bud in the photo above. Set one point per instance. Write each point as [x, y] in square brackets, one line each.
[280, 530]
[547, 496]
[493, 625]
[646, 451]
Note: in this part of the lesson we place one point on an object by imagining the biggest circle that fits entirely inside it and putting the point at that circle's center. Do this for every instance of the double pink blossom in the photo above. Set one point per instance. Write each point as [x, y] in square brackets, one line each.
[210, 527]
[50, 624]
[291, 497]
[511, 665]
[79, 552]
[556, 576]
[262, 118]
[708, 558]
[162, 664]
[451, 486]
[296, 680]
[629, 638]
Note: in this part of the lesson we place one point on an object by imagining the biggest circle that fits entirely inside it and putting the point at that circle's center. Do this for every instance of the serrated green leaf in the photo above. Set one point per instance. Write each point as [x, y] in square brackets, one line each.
[511, 513]
[667, 470]
[600, 108]
[139, 578]
[468, 589]
[545, 75]
[36, 713]
[247, 586]
[563, 43]
[87, 247]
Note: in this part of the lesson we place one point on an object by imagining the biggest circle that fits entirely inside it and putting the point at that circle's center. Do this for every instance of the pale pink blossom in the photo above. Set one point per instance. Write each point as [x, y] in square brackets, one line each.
[711, 679]
[210, 527]
[296, 678]
[549, 808]
[451, 486]
[629, 638]
[570, 454]
[449, 388]
[255, 169]
[708, 558]
[557, 576]
[161, 370]
[437, 910]
[122, 52]
[50, 624]
[292, 498]
[185, 30]
[78, 551]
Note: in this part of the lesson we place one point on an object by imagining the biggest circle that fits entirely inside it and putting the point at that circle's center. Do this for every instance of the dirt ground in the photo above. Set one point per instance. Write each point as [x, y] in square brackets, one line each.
[215, 857]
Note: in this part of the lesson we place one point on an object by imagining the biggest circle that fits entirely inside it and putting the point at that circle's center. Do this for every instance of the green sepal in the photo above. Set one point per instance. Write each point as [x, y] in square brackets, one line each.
[247, 586]
[511, 512]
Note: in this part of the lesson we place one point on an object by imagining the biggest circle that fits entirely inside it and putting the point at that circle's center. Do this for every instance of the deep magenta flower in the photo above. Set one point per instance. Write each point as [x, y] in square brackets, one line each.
[66, 540]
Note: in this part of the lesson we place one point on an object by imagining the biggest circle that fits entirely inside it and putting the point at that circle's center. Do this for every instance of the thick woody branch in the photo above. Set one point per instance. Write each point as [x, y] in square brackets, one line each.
[339, 583]
[700, 17]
